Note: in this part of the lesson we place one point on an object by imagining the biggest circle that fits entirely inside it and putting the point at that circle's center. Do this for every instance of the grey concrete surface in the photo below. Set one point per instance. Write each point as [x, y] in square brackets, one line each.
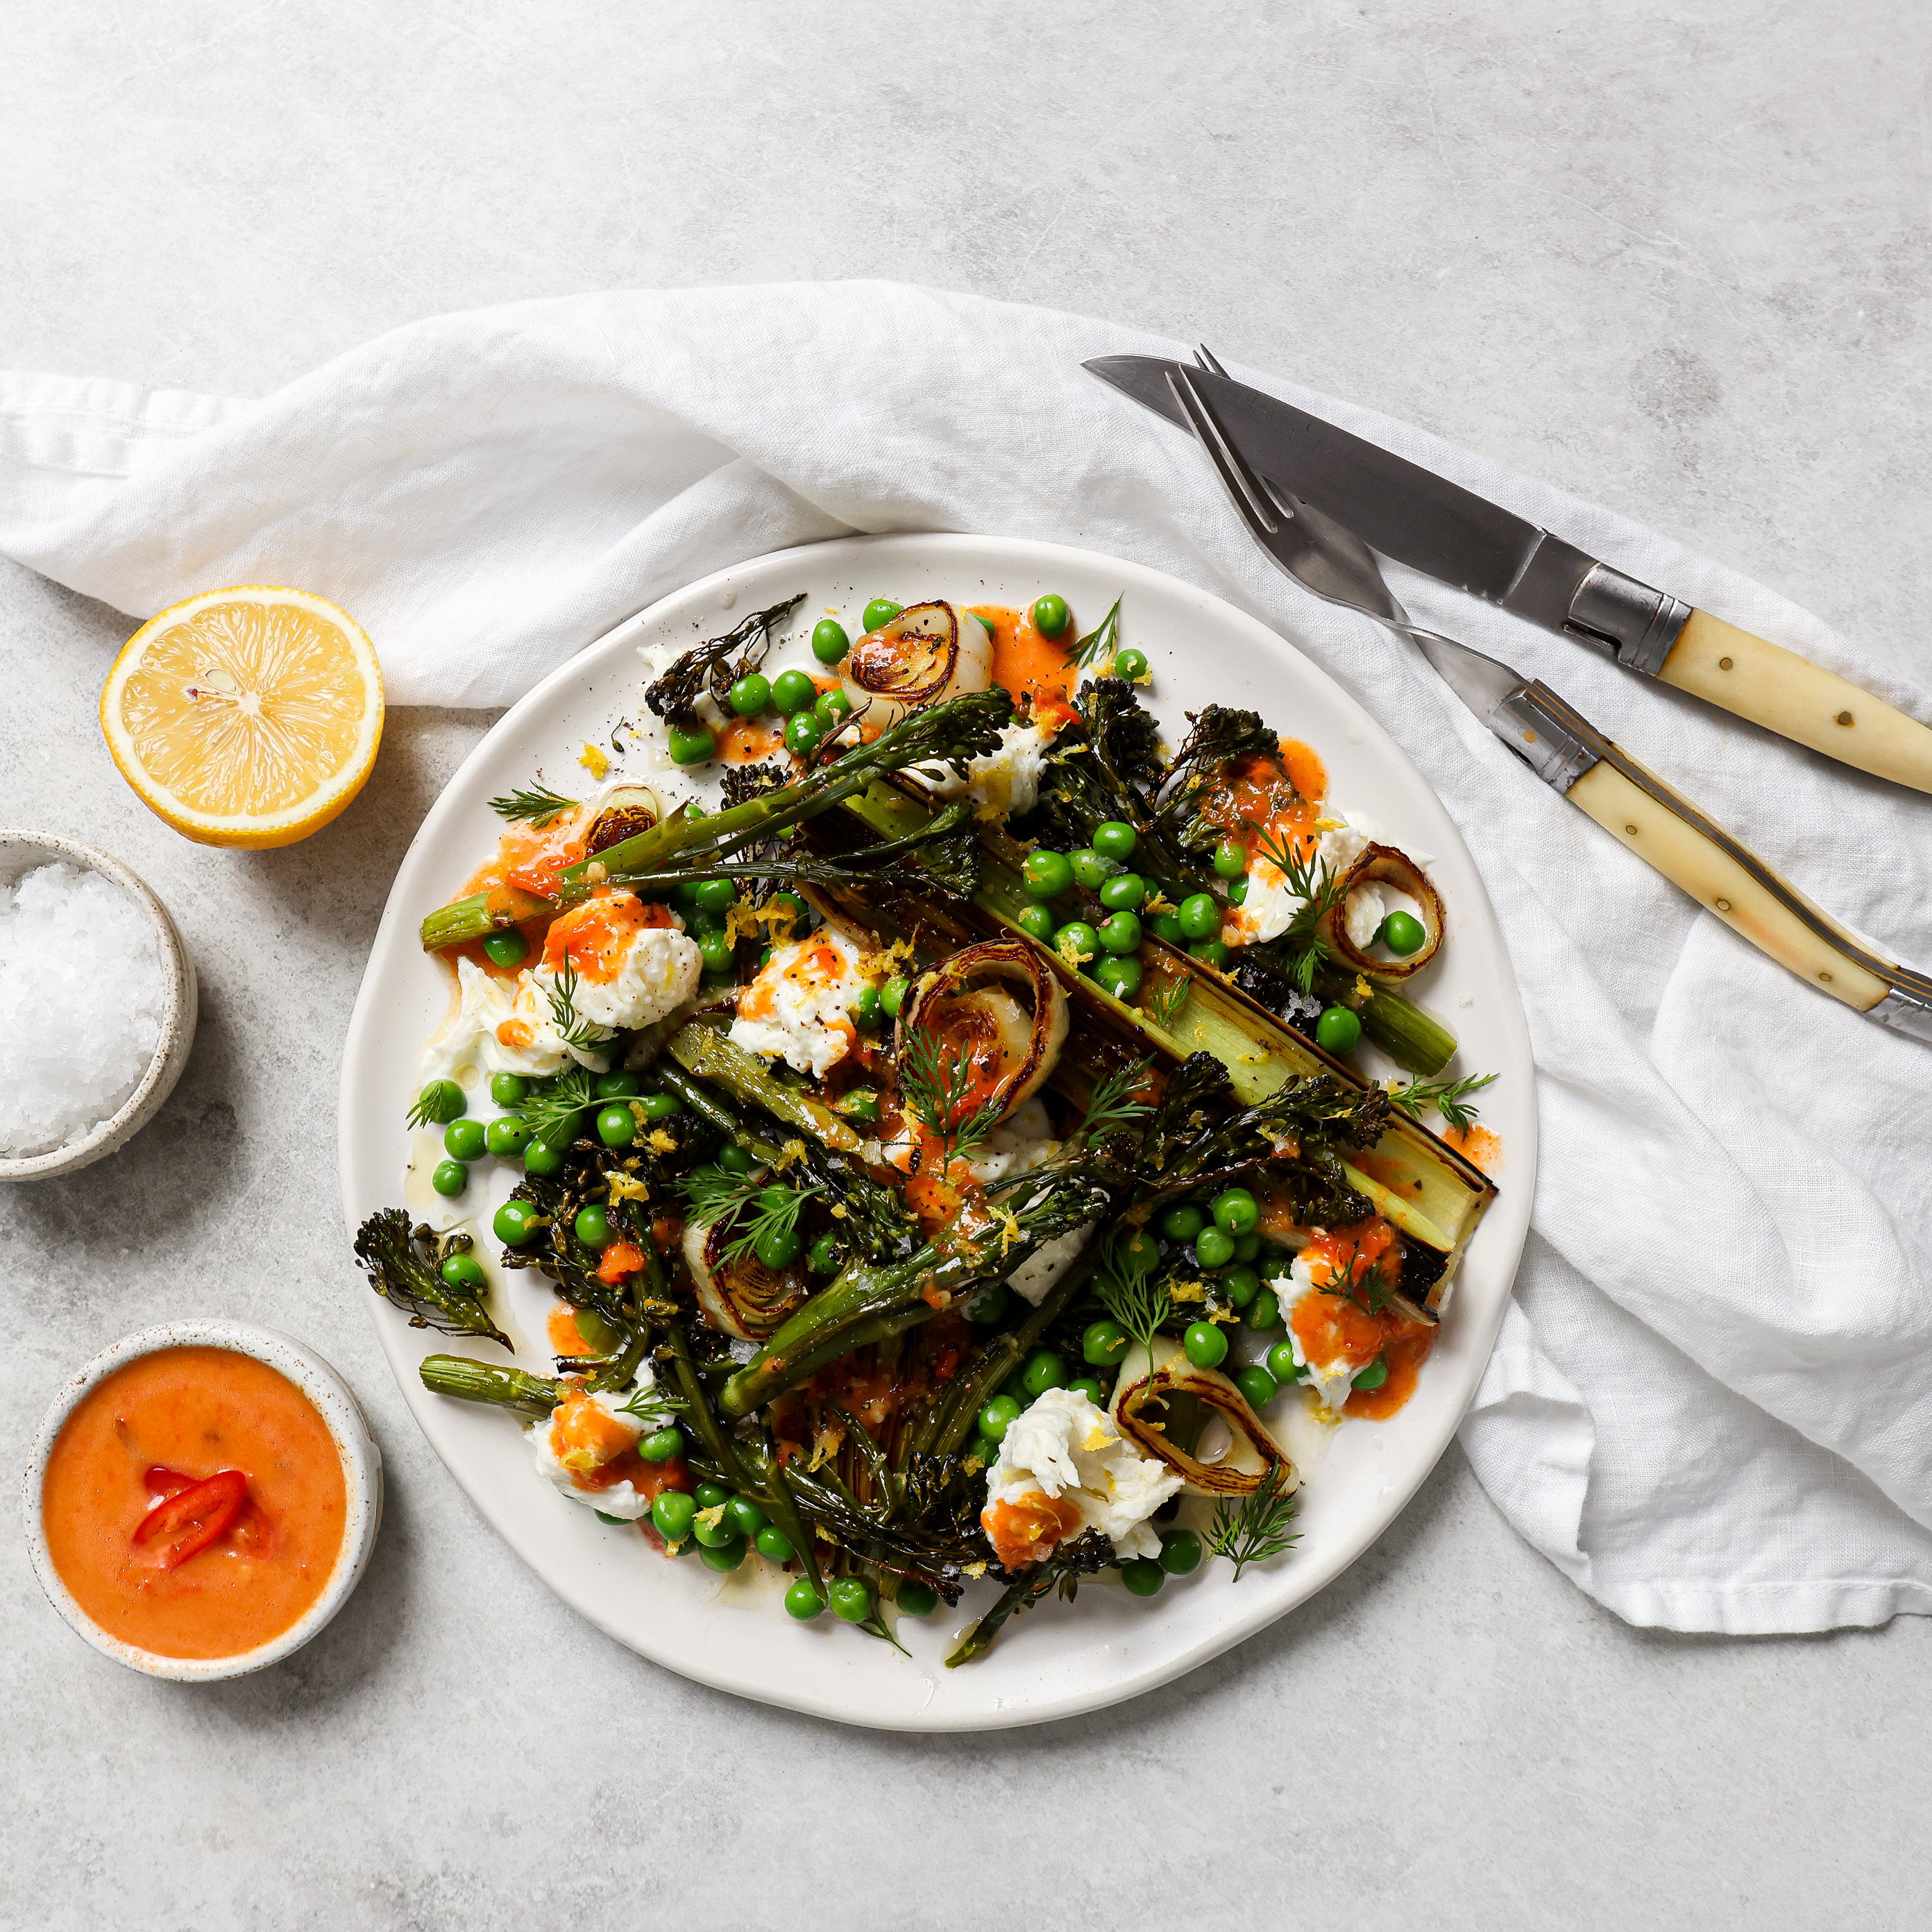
[1672, 256]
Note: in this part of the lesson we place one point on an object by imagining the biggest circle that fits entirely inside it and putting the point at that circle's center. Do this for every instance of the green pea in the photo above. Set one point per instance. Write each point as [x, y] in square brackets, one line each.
[718, 953]
[1204, 1345]
[867, 1010]
[1049, 615]
[673, 1510]
[1264, 1313]
[1374, 1375]
[744, 1516]
[592, 1226]
[1180, 1551]
[661, 1444]
[1044, 1370]
[1167, 927]
[711, 1495]
[831, 708]
[1087, 1386]
[736, 1159]
[1402, 934]
[774, 1546]
[1115, 838]
[618, 1086]
[1247, 1246]
[1036, 922]
[690, 745]
[661, 1107]
[752, 695]
[792, 691]
[1103, 1343]
[851, 1600]
[1200, 916]
[997, 1416]
[892, 993]
[803, 1602]
[1140, 1250]
[1256, 1385]
[1240, 1285]
[1143, 1576]
[1121, 977]
[860, 1104]
[724, 1557]
[450, 1178]
[684, 894]
[916, 1599]
[829, 643]
[1235, 1210]
[442, 1101]
[464, 1140]
[802, 732]
[714, 895]
[1076, 940]
[542, 1160]
[616, 1127]
[513, 1223]
[1125, 892]
[693, 811]
[1130, 664]
[1210, 953]
[509, 1089]
[1282, 1365]
[506, 949]
[1230, 859]
[1121, 933]
[1183, 1222]
[823, 1257]
[702, 922]
[1091, 870]
[778, 1249]
[791, 905]
[462, 1271]
[880, 611]
[989, 1305]
[1238, 892]
[1338, 1031]
[1046, 875]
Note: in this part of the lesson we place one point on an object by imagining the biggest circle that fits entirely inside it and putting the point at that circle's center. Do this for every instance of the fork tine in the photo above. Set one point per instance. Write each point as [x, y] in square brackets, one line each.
[1208, 360]
[1241, 483]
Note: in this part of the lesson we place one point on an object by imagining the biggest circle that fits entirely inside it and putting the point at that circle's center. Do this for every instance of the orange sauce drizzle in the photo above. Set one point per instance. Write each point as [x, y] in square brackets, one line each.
[744, 741]
[1331, 1327]
[1024, 1530]
[565, 1337]
[1029, 665]
[594, 937]
[1479, 1143]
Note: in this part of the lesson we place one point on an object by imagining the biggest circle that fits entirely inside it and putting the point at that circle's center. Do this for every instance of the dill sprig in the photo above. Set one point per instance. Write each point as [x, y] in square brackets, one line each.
[1112, 1105]
[749, 1210]
[1255, 1528]
[935, 1090]
[1371, 1291]
[1123, 1281]
[1321, 889]
[537, 805]
[1100, 643]
[584, 1034]
[655, 1407]
[1450, 1098]
[1167, 1000]
[552, 1114]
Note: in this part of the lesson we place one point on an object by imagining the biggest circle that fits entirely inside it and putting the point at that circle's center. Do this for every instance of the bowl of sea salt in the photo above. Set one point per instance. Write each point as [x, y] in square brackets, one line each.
[96, 1005]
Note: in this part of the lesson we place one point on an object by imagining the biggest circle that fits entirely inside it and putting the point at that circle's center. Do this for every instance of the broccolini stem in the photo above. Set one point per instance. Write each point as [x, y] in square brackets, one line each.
[482, 1382]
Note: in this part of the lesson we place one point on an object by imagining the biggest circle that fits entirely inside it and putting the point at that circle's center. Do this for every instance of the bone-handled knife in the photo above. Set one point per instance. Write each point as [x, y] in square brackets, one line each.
[1436, 526]
[1673, 837]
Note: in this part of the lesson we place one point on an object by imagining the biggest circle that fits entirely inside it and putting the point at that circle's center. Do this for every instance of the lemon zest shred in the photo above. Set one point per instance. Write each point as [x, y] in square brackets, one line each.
[594, 759]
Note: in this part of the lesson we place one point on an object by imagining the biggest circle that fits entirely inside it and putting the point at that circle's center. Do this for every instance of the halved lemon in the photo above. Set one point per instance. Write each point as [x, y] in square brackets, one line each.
[246, 717]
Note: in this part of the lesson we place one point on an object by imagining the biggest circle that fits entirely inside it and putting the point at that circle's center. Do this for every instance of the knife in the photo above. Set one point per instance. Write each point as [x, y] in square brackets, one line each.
[1569, 754]
[1436, 526]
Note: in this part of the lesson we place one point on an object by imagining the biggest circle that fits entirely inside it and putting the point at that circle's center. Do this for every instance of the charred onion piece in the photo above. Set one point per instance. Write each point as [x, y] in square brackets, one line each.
[950, 1010]
[629, 810]
[743, 1297]
[1383, 865]
[928, 652]
[1156, 1410]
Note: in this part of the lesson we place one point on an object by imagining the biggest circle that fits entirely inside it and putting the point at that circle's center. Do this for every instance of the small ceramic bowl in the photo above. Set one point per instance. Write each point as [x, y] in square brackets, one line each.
[361, 1471]
[20, 853]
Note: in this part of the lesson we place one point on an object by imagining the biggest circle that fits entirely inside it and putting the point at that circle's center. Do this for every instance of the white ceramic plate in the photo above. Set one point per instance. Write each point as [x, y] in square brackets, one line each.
[731, 1632]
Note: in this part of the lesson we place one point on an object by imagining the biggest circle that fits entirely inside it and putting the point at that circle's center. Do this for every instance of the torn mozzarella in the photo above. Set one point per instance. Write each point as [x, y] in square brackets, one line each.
[799, 1008]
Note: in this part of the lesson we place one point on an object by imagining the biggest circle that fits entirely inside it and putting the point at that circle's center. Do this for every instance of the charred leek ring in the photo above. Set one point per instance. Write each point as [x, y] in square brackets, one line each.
[743, 1297]
[1023, 1068]
[629, 811]
[1144, 1391]
[1383, 865]
[928, 652]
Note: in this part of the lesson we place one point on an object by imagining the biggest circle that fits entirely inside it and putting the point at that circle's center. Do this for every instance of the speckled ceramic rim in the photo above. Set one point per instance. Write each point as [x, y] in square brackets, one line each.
[361, 1469]
[178, 1012]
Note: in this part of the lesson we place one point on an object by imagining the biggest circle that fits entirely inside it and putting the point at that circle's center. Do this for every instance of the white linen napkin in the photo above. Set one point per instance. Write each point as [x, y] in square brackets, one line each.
[1711, 1404]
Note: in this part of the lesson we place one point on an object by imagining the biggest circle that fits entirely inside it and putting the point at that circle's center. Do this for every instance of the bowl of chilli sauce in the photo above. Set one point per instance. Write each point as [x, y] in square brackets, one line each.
[202, 1499]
